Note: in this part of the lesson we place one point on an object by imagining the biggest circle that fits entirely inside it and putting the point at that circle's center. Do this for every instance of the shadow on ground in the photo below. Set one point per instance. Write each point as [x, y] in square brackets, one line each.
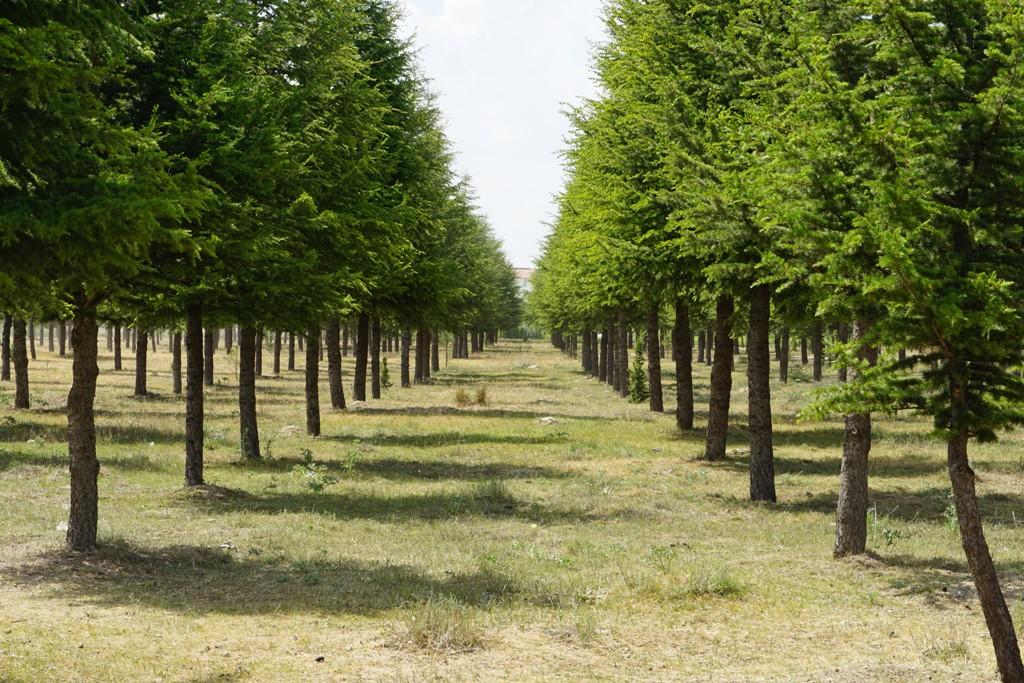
[195, 579]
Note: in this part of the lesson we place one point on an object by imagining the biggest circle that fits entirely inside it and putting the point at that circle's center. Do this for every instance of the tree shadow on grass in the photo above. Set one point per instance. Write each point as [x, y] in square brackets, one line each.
[884, 467]
[23, 430]
[498, 504]
[451, 438]
[433, 411]
[136, 463]
[419, 470]
[946, 582]
[928, 505]
[195, 579]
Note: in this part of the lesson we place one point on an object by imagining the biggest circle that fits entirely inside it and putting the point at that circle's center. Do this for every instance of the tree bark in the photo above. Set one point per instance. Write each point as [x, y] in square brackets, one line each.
[852, 508]
[84, 466]
[313, 382]
[682, 349]
[62, 338]
[49, 342]
[176, 361]
[333, 339]
[375, 357]
[602, 361]
[406, 344]
[817, 349]
[118, 362]
[247, 422]
[32, 340]
[701, 345]
[21, 400]
[721, 381]
[804, 359]
[784, 356]
[759, 396]
[622, 355]
[362, 353]
[657, 401]
[209, 344]
[709, 344]
[844, 336]
[5, 350]
[141, 358]
[229, 338]
[587, 360]
[277, 353]
[435, 351]
[291, 351]
[194, 374]
[259, 353]
[979, 559]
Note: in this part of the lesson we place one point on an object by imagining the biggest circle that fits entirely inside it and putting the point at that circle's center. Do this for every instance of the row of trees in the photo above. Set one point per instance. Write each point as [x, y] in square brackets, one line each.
[191, 164]
[852, 164]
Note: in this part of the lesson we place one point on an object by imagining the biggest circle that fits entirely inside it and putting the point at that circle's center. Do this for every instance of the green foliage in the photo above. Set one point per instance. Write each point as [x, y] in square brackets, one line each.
[639, 392]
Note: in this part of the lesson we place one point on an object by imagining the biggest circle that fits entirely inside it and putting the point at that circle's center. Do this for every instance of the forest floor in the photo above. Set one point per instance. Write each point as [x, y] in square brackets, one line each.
[555, 533]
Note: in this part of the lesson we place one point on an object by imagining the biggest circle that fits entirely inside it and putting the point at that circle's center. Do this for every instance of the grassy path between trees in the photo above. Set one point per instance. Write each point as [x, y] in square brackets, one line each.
[555, 533]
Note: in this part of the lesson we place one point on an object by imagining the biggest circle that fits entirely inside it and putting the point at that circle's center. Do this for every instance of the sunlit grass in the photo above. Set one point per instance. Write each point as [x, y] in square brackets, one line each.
[549, 531]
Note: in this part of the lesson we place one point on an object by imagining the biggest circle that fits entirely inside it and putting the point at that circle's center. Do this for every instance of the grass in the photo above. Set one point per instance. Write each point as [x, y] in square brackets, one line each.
[550, 531]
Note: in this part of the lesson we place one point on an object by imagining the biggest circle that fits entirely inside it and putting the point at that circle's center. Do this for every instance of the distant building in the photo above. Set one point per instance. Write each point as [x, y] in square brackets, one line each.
[524, 280]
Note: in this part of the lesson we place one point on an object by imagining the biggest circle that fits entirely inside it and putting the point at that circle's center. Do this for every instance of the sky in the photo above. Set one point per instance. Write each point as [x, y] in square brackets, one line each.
[505, 71]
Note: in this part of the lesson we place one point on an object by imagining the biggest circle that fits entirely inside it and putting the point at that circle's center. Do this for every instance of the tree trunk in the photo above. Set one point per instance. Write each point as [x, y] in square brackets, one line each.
[817, 348]
[602, 360]
[176, 361]
[21, 401]
[49, 343]
[32, 340]
[291, 351]
[247, 422]
[721, 381]
[587, 361]
[229, 338]
[682, 349]
[844, 336]
[979, 559]
[313, 382]
[420, 359]
[259, 353]
[141, 358]
[334, 364]
[375, 357]
[62, 338]
[406, 344]
[277, 353]
[84, 466]
[362, 353]
[804, 359]
[852, 508]
[427, 340]
[344, 341]
[709, 344]
[209, 344]
[657, 401]
[435, 351]
[784, 356]
[118, 362]
[701, 345]
[194, 373]
[5, 350]
[622, 355]
[759, 396]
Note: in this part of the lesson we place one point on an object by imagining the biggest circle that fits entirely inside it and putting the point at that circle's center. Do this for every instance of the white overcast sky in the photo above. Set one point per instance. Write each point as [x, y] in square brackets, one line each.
[505, 71]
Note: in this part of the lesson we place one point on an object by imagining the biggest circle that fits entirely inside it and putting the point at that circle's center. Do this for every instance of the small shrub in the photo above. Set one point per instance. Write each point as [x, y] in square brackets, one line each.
[385, 376]
[638, 390]
[881, 531]
[443, 625]
[462, 398]
[481, 396]
[313, 475]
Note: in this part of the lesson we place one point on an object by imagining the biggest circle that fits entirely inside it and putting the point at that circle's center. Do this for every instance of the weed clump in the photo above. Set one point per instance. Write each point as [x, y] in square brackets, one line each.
[463, 398]
[715, 581]
[444, 626]
[494, 497]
